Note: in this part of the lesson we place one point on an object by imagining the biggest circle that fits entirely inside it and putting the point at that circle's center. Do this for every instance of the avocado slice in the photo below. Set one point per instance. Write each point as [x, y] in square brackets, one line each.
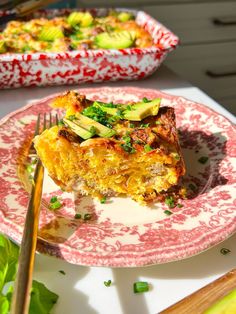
[85, 134]
[110, 110]
[87, 123]
[115, 40]
[227, 305]
[137, 112]
[50, 33]
[3, 48]
[125, 16]
[84, 19]
[142, 110]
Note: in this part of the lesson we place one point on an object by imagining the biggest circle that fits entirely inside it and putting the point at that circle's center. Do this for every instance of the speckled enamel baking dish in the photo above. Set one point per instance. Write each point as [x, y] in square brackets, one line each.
[73, 67]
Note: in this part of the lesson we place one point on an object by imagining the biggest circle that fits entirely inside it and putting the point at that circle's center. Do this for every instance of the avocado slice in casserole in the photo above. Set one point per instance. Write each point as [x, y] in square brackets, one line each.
[122, 157]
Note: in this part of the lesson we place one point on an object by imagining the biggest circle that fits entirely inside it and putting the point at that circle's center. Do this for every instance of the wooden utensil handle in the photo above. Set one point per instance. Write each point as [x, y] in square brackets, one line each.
[201, 300]
[31, 5]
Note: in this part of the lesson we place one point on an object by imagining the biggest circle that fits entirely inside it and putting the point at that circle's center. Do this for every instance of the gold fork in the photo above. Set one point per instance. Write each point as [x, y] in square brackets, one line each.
[23, 282]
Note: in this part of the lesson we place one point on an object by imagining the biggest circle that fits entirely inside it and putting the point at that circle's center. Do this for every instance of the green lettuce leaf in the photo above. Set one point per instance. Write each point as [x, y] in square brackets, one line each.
[9, 253]
[4, 304]
[42, 300]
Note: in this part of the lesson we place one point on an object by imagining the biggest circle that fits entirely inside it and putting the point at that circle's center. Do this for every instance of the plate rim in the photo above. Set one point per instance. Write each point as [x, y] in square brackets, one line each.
[56, 249]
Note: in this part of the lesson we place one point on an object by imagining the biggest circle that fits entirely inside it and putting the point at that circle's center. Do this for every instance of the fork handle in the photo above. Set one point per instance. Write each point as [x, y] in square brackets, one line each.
[23, 282]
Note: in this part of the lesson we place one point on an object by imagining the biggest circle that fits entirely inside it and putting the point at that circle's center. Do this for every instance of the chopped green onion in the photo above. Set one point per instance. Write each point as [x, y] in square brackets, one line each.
[169, 201]
[71, 117]
[61, 122]
[34, 161]
[131, 125]
[103, 200]
[22, 122]
[128, 148]
[62, 272]
[144, 125]
[92, 130]
[55, 205]
[146, 100]
[77, 216]
[87, 216]
[168, 212]
[107, 283]
[224, 251]
[147, 148]
[176, 156]
[120, 114]
[53, 199]
[203, 160]
[158, 122]
[29, 169]
[129, 107]
[180, 205]
[140, 286]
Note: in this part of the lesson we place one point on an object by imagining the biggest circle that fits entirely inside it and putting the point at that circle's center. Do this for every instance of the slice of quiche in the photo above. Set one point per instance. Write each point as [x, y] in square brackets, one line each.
[104, 149]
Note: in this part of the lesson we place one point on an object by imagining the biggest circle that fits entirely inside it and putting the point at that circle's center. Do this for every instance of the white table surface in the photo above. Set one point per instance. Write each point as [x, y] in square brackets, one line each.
[81, 289]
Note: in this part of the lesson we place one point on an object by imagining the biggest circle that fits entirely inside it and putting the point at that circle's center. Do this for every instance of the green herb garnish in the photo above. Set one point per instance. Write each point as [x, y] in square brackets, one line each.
[146, 100]
[158, 122]
[180, 205]
[147, 148]
[55, 205]
[119, 113]
[87, 216]
[71, 117]
[131, 125]
[61, 122]
[96, 114]
[128, 107]
[107, 283]
[144, 125]
[77, 216]
[22, 122]
[29, 168]
[128, 145]
[224, 251]
[34, 161]
[92, 130]
[176, 156]
[203, 160]
[128, 148]
[168, 212]
[62, 272]
[108, 105]
[103, 200]
[140, 286]
[170, 202]
[53, 199]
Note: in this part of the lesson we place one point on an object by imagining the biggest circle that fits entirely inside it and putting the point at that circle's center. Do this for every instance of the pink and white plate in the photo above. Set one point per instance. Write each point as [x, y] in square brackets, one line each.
[121, 232]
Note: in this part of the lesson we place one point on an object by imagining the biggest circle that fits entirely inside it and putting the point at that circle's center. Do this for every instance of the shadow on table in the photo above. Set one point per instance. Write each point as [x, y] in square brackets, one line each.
[57, 281]
[208, 263]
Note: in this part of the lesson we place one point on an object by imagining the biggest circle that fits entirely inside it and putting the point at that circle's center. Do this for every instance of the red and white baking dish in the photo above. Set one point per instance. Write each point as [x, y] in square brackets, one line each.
[73, 67]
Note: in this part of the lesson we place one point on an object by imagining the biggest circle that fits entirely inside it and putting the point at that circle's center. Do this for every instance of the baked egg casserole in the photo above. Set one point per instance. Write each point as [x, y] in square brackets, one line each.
[76, 31]
[106, 149]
